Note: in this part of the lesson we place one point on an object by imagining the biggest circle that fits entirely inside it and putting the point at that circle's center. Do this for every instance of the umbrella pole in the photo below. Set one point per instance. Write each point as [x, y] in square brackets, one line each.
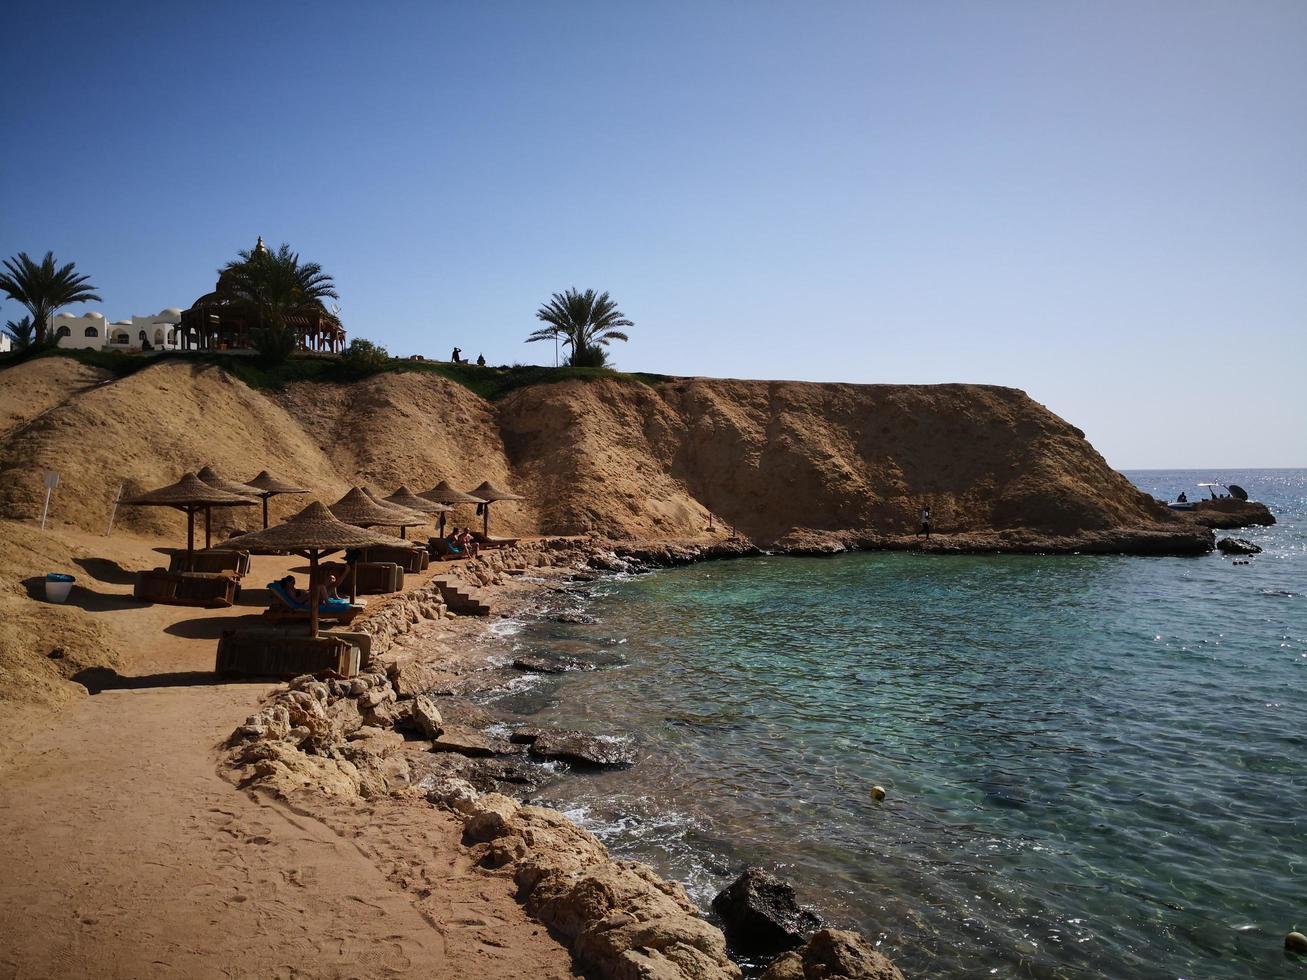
[403, 533]
[441, 532]
[266, 498]
[313, 594]
[190, 539]
[485, 520]
[208, 540]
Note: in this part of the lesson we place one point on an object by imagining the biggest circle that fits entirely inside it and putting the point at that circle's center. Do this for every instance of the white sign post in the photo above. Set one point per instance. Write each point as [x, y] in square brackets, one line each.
[51, 481]
[114, 512]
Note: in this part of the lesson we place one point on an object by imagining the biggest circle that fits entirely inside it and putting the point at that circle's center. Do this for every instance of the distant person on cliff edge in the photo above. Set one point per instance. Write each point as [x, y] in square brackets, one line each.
[481, 360]
[457, 356]
[925, 523]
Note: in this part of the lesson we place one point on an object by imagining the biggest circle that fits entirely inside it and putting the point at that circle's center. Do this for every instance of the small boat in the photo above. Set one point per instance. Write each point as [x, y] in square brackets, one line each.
[1184, 503]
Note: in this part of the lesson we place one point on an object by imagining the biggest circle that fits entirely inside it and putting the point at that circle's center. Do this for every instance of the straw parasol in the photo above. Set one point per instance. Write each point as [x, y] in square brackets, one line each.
[210, 476]
[411, 517]
[404, 497]
[268, 486]
[189, 494]
[313, 533]
[444, 493]
[490, 493]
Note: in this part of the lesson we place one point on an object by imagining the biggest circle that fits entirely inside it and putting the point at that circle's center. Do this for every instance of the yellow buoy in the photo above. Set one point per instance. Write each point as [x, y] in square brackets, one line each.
[878, 793]
[1295, 942]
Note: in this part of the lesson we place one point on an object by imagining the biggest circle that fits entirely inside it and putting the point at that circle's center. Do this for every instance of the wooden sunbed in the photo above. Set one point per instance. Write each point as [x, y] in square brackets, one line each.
[441, 550]
[284, 609]
[236, 563]
[211, 590]
[374, 577]
[412, 560]
[488, 542]
[274, 653]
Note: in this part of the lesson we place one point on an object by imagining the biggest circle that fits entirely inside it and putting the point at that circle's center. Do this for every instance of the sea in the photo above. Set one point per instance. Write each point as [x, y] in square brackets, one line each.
[1094, 766]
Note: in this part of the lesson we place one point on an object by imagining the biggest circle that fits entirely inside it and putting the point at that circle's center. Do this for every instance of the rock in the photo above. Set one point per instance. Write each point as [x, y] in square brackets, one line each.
[550, 665]
[582, 749]
[450, 792]
[579, 619]
[420, 716]
[761, 914]
[411, 676]
[1295, 942]
[1237, 546]
[833, 955]
[878, 793]
[469, 741]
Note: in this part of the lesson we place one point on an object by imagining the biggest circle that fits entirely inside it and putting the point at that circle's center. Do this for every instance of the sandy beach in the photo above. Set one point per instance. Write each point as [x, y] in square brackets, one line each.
[129, 855]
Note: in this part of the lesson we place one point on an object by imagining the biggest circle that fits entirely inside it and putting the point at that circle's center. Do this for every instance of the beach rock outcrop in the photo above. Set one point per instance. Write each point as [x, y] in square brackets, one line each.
[622, 921]
[1237, 546]
[583, 749]
[550, 665]
[1226, 513]
[832, 954]
[762, 915]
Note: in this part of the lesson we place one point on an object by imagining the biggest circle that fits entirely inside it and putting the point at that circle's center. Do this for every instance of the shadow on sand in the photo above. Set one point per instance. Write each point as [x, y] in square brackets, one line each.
[105, 570]
[97, 679]
[82, 597]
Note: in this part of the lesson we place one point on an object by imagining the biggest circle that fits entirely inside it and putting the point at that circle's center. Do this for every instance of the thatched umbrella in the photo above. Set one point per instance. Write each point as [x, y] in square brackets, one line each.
[406, 498]
[444, 493]
[410, 517]
[268, 486]
[210, 476]
[313, 533]
[490, 493]
[190, 494]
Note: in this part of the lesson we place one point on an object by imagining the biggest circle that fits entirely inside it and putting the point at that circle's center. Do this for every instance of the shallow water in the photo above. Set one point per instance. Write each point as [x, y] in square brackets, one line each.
[1094, 765]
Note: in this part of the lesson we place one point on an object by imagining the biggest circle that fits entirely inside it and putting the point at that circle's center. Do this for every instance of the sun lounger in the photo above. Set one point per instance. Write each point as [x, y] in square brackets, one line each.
[285, 608]
[441, 549]
[374, 577]
[487, 542]
[236, 563]
[412, 560]
[273, 653]
[212, 590]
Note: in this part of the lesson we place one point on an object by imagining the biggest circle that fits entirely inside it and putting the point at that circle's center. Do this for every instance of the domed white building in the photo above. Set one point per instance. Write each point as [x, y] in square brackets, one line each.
[90, 331]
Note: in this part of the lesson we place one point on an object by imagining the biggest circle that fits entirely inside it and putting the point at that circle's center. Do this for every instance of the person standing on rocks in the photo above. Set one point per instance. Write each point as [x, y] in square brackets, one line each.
[457, 356]
[925, 523]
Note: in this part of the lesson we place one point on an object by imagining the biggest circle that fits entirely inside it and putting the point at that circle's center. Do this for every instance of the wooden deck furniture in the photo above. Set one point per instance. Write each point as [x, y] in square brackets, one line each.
[275, 653]
[283, 609]
[485, 541]
[211, 590]
[373, 577]
[412, 560]
[237, 563]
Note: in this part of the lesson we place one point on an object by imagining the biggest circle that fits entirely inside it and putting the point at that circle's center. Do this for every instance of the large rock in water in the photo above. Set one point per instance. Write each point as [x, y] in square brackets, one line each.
[1237, 546]
[833, 955]
[762, 915]
[581, 749]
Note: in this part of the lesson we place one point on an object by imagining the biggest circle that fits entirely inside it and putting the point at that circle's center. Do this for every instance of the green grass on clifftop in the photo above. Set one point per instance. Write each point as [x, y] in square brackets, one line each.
[490, 383]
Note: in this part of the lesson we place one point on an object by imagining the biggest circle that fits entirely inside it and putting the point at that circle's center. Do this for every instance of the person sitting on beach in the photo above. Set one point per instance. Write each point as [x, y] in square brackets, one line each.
[925, 523]
[466, 543]
[287, 582]
[1183, 498]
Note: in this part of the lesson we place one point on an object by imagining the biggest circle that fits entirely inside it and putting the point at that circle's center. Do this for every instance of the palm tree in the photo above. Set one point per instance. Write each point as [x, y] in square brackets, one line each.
[44, 288]
[586, 323]
[273, 286]
[22, 333]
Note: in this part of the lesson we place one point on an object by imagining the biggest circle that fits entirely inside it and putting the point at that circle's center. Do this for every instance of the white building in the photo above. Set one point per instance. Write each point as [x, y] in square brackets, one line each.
[6, 345]
[90, 331]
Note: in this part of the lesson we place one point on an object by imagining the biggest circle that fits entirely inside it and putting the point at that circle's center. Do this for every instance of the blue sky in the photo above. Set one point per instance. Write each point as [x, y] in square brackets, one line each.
[1101, 203]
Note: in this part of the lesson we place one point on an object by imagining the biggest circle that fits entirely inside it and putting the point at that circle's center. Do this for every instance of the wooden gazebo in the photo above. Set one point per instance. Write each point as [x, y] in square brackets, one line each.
[215, 322]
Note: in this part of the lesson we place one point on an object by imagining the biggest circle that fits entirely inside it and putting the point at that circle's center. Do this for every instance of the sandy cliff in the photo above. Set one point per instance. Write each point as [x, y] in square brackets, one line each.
[778, 460]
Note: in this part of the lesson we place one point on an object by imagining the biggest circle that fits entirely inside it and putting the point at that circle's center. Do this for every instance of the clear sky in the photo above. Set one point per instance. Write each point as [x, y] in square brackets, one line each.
[1102, 203]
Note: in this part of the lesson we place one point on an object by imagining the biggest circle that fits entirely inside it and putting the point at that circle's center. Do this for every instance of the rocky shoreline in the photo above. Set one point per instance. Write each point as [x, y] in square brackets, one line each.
[404, 732]
[405, 729]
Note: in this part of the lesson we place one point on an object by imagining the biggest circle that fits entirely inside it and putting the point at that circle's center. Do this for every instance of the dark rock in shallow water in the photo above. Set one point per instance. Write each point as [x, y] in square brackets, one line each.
[1237, 546]
[761, 914]
[834, 954]
[582, 749]
[469, 741]
[579, 619]
[512, 777]
[550, 665]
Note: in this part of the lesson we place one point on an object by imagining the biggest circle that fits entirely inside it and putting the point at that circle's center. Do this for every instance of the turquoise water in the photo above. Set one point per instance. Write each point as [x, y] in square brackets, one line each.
[1096, 766]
